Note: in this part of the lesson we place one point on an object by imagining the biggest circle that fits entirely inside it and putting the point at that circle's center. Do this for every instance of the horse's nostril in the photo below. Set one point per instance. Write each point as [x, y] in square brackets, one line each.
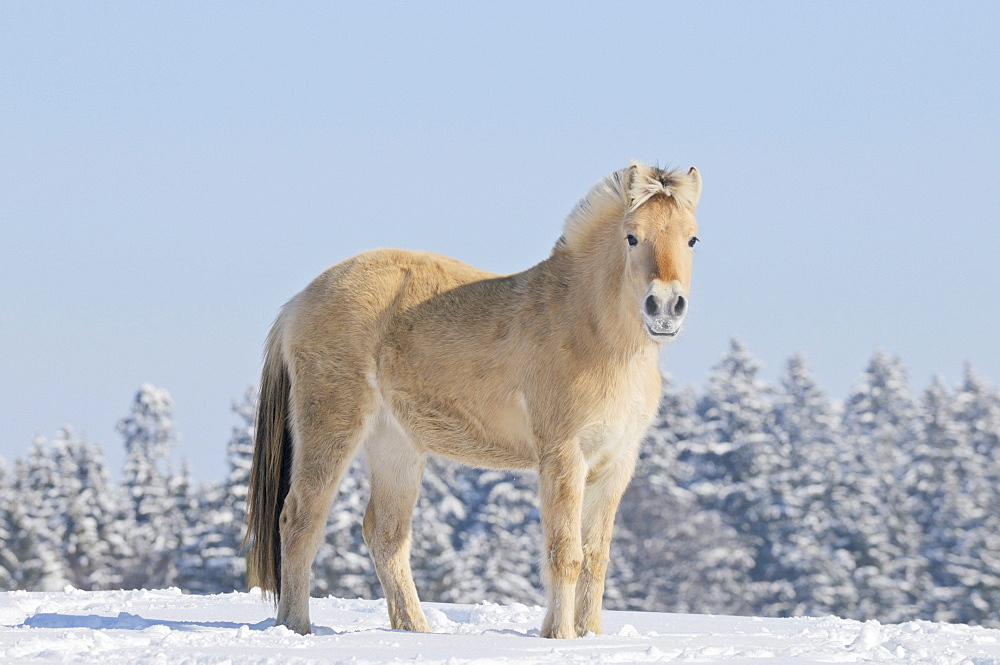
[680, 305]
[651, 305]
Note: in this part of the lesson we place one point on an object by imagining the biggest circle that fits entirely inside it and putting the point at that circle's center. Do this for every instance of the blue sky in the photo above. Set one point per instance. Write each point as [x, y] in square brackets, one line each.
[171, 173]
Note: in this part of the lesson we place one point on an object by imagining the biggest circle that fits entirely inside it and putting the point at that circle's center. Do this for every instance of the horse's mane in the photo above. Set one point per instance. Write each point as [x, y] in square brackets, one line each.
[622, 192]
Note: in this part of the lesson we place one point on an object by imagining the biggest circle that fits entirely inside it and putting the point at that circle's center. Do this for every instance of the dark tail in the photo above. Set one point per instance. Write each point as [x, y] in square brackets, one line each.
[270, 473]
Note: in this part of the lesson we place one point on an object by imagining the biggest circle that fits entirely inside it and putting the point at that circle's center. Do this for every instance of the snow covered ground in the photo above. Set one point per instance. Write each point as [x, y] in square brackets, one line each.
[168, 627]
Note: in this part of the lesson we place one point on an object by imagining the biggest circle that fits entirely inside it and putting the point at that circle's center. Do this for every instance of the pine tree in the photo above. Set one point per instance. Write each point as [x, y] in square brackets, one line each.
[37, 535]
[210, 559]
[90, 535]
[804, 553]
[974, 562]
[734, 412]
[670, 554]
[9, 563]
[149, 434]
[938, 467]
[440, 572]
[733, 453]
[500, 538]
[233, 512]
[874, 518]
[192, 524]
[239, 453]
[26, 561]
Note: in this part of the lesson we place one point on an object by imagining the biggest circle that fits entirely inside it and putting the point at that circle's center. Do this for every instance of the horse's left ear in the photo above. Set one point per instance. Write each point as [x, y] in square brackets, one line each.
[694, 186]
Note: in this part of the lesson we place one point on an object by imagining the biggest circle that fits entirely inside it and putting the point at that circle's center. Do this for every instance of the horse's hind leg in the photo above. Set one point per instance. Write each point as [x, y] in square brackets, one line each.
[329, 421]
[396, 470]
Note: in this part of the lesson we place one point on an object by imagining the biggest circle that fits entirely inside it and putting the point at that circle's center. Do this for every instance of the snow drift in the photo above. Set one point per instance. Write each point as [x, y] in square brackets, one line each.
[168, 626]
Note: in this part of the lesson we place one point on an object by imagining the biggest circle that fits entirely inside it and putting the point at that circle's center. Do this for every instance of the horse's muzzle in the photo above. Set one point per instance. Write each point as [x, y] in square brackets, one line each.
[663, 309]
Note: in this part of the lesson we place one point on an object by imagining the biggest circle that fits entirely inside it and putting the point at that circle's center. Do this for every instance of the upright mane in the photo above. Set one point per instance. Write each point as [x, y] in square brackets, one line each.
[622, 192]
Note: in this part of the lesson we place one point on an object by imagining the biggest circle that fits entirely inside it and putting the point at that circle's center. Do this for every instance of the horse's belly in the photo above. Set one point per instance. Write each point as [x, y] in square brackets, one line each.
[479, 432]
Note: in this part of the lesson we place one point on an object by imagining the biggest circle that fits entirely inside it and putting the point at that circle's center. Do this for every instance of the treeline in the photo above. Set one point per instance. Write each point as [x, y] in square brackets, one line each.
[748, 499]
[62, 521]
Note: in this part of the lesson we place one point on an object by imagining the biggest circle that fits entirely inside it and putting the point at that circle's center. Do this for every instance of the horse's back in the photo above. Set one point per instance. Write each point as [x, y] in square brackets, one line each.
[361, 297]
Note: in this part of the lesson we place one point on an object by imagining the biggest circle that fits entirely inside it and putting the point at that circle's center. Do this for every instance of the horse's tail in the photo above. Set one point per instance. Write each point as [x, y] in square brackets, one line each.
[270, 473]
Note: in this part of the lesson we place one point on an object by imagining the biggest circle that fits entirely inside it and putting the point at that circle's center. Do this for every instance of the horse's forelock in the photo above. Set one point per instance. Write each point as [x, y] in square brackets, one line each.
[625, 191]
[649, 181]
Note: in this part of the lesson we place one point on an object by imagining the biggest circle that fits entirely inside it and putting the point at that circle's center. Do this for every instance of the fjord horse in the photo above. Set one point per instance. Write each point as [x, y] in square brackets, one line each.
[410, 354]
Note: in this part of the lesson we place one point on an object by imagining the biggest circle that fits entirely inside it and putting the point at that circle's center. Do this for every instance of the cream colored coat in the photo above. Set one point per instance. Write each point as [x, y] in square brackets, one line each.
[409, 354]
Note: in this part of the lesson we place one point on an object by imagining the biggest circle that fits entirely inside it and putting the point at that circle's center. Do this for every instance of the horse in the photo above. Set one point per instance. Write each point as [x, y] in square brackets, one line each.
[407, 354]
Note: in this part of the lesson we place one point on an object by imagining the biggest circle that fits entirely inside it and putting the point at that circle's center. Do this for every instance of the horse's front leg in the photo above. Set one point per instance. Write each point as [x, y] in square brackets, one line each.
[561, 479]
[601, 497]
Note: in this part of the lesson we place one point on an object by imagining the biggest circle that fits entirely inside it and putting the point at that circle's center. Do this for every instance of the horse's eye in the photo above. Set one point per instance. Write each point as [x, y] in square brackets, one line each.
[692, 241]
[632, 240]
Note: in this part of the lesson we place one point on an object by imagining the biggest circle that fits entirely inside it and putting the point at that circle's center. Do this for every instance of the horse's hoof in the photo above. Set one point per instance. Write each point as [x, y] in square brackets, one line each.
[413, 625]
[295, 626]
[418, 627]
[300, 630]
[554, 634]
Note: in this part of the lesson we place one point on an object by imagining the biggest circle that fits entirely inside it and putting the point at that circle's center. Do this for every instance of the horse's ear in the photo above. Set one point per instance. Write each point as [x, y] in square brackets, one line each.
[636, 184]
[629, 175]
[694, 184]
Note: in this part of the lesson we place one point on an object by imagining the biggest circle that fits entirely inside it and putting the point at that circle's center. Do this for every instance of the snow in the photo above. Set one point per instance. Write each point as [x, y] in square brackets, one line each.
[168, 626]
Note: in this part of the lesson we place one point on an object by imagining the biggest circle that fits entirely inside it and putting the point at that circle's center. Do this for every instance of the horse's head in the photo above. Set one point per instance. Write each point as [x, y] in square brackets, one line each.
[658, 235]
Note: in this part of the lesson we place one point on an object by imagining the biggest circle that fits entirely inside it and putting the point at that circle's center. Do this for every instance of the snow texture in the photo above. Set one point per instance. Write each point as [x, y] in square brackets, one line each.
[167, 626]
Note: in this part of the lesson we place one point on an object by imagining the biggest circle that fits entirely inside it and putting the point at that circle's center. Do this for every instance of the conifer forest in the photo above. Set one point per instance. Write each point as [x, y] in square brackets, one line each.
[748, 498]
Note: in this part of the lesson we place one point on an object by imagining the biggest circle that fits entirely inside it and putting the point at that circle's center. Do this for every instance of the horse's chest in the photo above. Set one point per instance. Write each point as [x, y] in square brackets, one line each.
[610, 438]
[618, 425]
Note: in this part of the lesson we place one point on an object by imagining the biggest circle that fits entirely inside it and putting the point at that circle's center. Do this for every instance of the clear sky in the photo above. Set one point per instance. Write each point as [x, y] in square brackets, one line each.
[171, 173]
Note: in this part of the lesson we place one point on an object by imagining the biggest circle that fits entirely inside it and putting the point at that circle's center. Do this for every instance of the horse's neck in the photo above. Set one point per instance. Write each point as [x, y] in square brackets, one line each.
[587, 304]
